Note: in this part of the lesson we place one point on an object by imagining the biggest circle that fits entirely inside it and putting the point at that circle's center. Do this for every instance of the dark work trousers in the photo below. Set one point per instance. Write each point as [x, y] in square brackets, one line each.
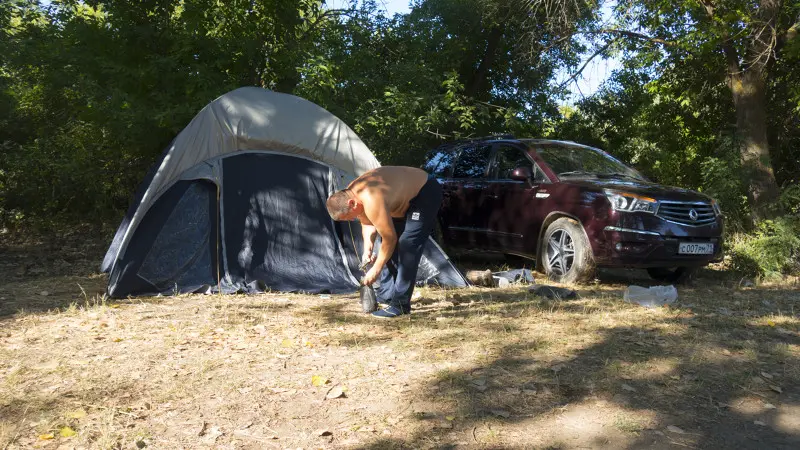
[399, 276]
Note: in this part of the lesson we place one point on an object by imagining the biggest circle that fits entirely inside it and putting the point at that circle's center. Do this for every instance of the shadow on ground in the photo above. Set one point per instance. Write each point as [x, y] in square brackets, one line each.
[699, 376]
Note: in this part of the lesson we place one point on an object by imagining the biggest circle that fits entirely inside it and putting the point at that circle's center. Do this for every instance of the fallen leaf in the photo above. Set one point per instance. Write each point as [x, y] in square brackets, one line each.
[323, 432]
[77, 414]
[244, 390]
[674, 429]
[335, 392]
[758, 422]
[776, 389]
[67, 432]
[47, 437]
[450, 418]
[286, 343]
[557, 368]
[766, 375]
[501, 413]
[117, 339]
[628, 388]
[770, 323]
[318, 380]
[44, 293]
[769, 406]
[479, 382]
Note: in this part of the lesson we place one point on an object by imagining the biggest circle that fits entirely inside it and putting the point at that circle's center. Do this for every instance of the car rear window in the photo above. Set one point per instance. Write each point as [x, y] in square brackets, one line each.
[441, 163]
[472, 161]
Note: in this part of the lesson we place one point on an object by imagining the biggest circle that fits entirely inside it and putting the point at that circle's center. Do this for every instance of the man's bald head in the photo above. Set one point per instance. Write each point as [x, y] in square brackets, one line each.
[339, 205]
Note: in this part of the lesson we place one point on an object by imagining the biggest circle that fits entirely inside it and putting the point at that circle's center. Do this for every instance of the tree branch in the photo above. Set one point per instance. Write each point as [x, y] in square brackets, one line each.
[586, 63]
[731, 56]
[635, 35]
[708, 7]
[325, 14]
[792, 32]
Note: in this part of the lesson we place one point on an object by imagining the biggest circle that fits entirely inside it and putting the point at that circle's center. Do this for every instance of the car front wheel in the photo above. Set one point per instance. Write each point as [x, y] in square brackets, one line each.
[566, 254]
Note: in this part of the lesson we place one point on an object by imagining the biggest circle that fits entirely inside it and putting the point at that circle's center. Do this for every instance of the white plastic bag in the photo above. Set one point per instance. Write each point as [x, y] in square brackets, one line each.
[651, 297]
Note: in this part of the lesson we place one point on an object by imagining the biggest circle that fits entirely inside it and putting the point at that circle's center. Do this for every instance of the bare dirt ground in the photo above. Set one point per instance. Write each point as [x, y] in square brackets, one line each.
[475, 368]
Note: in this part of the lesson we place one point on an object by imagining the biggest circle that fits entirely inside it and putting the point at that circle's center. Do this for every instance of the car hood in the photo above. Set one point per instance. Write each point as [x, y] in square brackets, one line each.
[647, 188]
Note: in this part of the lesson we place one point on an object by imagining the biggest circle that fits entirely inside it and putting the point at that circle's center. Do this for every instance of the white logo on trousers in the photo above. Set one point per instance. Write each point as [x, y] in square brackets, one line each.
[415, 216]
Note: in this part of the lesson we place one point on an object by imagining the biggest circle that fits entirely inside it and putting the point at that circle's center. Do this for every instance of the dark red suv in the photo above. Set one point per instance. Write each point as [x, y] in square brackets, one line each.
[570, 208]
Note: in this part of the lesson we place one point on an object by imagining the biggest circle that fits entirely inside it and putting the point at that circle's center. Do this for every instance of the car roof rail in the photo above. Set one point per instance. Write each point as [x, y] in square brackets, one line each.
[491, 137]
[452, 144]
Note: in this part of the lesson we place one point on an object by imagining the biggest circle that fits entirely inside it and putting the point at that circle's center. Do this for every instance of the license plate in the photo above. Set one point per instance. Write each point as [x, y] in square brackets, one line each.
[692, 248]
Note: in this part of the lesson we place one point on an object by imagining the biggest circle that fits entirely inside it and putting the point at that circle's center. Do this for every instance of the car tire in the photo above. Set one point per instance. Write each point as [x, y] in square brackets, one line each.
[565, 246]
[672, 274]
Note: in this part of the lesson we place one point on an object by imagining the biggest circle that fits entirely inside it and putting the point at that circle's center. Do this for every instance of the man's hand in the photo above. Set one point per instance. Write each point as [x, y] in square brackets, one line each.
[371, 276]
[368, 258]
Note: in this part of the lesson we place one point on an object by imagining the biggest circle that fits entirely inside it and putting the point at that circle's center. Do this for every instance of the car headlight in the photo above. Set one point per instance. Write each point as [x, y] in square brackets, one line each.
[717, 209]
[623, 201]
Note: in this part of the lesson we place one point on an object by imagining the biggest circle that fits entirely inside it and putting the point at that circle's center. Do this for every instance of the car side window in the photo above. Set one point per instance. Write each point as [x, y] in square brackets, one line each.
[472, 161]
[538, 175]
[507, 159]
[441, 163]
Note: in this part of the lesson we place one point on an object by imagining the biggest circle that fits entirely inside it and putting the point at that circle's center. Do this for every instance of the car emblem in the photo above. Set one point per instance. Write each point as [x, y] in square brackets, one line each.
[693, 215]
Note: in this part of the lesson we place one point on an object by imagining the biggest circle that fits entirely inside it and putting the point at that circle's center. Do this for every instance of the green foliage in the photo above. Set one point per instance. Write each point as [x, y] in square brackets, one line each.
[772, 250]
[92, 92]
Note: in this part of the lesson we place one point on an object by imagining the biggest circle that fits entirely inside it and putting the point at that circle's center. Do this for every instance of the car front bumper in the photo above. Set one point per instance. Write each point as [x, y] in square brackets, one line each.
[625, 247]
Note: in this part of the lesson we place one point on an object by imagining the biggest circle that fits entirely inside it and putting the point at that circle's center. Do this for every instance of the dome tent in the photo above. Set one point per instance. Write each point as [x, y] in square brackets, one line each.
[237, 203]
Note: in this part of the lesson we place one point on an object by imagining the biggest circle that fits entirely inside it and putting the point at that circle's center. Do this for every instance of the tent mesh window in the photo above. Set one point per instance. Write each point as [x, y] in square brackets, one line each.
[180, 252]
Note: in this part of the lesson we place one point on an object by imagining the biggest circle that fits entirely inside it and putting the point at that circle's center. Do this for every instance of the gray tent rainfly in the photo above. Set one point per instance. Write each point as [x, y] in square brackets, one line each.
[237, 204]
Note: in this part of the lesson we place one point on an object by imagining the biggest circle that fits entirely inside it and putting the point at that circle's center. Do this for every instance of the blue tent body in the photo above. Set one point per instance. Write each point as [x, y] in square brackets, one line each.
[237, 204]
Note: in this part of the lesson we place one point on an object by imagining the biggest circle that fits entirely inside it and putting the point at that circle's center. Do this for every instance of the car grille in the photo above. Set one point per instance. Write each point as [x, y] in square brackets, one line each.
[687, 213]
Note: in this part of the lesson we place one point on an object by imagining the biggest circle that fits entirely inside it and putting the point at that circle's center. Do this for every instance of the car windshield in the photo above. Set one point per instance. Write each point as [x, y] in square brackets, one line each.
[568, 160]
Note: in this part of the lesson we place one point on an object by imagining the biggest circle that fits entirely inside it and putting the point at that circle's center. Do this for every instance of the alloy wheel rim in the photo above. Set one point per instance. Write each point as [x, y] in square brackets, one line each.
[560, 254]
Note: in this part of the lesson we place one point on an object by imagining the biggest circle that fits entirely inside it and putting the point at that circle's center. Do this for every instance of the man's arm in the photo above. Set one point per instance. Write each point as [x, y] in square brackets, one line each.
[368, 233]
[376, 211]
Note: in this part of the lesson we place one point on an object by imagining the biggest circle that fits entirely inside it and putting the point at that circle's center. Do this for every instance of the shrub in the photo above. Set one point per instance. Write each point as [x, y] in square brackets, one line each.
[772, 250]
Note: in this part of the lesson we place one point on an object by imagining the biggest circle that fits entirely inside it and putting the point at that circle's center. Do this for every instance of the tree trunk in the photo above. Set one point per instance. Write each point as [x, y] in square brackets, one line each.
[477, 83]
[749, 98]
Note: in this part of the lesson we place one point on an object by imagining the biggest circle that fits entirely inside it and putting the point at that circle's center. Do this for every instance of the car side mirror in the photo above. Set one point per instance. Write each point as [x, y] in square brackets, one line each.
[521, 174]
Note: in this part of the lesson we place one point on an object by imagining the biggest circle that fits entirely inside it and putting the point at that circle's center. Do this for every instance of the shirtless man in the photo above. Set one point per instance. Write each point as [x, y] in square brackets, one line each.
[400, 205]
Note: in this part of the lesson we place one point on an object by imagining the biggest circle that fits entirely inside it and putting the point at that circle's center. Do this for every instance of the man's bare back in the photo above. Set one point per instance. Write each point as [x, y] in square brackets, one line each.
[394, 186]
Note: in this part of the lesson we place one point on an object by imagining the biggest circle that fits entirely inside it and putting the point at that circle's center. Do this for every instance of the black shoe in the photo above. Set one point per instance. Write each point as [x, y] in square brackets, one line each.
[390, 313]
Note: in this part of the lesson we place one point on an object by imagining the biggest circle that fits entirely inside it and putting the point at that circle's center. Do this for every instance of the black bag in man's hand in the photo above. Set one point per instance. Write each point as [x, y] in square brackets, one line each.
[369, 301]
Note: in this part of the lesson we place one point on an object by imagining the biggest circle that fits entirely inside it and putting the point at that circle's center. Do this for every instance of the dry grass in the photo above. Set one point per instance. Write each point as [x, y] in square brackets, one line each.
[477, 368]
